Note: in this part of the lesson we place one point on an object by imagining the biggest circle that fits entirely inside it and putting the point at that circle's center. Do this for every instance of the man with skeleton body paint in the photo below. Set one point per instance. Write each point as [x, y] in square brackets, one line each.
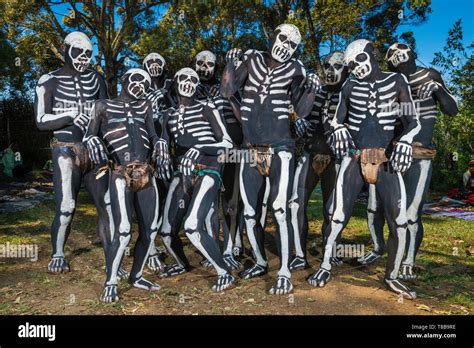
[208, 90]
[271, 82]
[64, 99]
[371, 103]
[155, 65]
[317, 162]
[199, 134]
[428, 89]
[122, 131]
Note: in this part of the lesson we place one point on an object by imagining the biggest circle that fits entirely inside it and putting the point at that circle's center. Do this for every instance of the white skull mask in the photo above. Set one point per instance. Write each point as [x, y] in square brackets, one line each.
[205, 64]
[398, 53]
[80, 50]
[333, 67]
[357, 59]
[187, 80]
[286, 42]
[154, 64]
[137, 83]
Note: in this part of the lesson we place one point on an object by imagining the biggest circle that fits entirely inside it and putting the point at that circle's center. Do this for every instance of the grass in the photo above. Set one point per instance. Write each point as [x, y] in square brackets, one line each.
[445, 285]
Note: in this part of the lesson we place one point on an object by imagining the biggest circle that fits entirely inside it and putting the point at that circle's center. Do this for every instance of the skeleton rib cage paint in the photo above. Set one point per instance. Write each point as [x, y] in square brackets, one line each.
[71, 95]
[125, 121]
[374, 109]
[268, 90]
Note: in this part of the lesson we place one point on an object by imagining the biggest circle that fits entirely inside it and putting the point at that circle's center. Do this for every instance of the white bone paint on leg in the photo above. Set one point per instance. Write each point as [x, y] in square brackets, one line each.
[209, 230]
[266, 194]
[294, 207]
[153, 227]
[372, 206]
[68, 204]
[166, 227]
[250, 222]
[338, 213]
[401, 231]
[280, 203]
[412, 210]
[108, 208]
[124, 227]
[191, 223]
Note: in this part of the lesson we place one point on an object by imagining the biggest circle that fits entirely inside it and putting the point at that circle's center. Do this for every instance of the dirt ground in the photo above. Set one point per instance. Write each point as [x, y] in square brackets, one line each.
[27, 288]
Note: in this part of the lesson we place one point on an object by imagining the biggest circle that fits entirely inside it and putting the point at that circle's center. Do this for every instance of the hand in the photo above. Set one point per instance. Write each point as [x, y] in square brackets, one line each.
[233, 55]
[161, 153]
[167, 86]
[427, 90]
[303, 127]
[214, 90]
[164, 172]
[401, 157]
[82, 121]
[313, 83]
[189, 159]
[342, 141]
[97, 151]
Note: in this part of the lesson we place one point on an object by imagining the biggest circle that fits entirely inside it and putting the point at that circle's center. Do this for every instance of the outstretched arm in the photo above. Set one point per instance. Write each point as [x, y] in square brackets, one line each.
[340, 139]
[223, 139]
[408, 113]
[303, 90]
[45, 119]
[402, 154]
[235, 73]
[447, 101]
[94, 144]
[160, 146]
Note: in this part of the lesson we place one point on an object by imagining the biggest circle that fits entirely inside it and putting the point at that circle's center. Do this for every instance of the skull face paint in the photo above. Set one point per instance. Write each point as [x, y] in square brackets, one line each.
[205, 64]
[154, 64]
[78, 50]
[187, 80]
[398, 53]
[333, 67]
[136, 83]
[286, 39]
[357, 59]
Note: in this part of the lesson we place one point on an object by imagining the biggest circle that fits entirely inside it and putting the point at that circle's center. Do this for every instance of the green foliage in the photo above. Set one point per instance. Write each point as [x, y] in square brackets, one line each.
[454, 136]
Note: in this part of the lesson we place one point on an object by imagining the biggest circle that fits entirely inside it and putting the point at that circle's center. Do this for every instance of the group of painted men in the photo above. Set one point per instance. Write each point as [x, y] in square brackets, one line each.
[160, 152]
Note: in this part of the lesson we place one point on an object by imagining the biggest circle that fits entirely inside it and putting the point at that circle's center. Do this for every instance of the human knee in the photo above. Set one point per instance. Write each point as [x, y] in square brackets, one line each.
[64, 220]
[280, 215]
[193, 236]
[190, 223]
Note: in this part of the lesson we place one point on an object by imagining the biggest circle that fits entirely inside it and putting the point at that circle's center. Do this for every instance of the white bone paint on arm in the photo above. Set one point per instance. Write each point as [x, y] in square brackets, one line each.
[409, 113]
[220, 133]
[45, 119]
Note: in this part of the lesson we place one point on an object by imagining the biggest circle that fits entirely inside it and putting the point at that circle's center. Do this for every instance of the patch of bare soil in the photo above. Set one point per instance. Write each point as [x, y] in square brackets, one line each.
[27, 288]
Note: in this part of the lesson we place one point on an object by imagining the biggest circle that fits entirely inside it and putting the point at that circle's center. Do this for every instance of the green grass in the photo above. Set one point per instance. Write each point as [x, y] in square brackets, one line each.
[445, 259]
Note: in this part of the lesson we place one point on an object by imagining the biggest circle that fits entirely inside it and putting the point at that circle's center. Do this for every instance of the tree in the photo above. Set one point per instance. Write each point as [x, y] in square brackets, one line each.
[37, 31]
[454, 136]
[326, 25]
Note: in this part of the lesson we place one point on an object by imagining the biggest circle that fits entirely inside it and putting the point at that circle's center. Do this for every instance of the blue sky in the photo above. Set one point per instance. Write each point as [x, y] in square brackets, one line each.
[432, 34]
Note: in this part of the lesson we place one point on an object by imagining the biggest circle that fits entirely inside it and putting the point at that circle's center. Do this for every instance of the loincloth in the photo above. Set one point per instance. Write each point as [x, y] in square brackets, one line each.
[137, 174]
[320, 162]
[420, 152]
[370, 161]
[262, 154]
[82, 159]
